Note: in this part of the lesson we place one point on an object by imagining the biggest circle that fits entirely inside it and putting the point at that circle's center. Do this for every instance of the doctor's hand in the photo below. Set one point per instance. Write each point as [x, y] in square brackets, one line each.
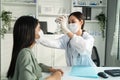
[62, 20]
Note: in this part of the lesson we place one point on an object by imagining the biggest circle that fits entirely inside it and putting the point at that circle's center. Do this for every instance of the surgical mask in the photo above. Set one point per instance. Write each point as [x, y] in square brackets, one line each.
[41, 34]
[73, 27]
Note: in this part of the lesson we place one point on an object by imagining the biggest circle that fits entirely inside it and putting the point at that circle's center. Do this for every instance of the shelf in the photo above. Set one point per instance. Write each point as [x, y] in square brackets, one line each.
[55, 15]
[91, 21]
[94, 6]
[14, 18]
[19, 3]
[52, 15]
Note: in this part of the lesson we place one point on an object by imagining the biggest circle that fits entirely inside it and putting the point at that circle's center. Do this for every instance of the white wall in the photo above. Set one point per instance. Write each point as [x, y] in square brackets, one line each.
[0, 39]
[6, 52]
[94, 30]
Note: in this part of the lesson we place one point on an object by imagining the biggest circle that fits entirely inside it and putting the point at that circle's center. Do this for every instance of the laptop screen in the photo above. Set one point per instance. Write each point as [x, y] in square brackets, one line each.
[43, 25]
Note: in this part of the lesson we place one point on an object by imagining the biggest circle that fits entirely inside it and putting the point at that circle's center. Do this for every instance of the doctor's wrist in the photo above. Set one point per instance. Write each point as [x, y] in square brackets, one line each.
[65, 30]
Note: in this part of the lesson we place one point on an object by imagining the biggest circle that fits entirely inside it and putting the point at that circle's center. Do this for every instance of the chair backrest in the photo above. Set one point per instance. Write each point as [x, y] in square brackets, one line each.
[95, 56]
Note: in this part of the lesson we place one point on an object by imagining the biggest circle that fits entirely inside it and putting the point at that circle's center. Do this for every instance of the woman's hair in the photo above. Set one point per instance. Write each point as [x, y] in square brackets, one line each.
[79, 16]
[23, 37]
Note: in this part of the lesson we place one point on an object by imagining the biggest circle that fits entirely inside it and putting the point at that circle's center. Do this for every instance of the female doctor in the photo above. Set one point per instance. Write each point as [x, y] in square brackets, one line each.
[77, 42]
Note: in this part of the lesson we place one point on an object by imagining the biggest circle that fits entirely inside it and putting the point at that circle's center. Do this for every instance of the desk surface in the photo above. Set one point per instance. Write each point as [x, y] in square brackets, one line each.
[66, 75]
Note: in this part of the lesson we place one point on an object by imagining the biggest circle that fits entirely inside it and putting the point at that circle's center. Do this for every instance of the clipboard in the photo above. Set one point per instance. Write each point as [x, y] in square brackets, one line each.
[83, 71]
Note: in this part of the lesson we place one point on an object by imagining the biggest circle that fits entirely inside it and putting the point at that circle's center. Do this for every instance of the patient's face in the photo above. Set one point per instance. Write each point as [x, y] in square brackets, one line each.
[37, 30]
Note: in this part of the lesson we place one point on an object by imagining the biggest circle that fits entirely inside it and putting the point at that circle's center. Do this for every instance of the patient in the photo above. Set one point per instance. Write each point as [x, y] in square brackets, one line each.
[23, 64]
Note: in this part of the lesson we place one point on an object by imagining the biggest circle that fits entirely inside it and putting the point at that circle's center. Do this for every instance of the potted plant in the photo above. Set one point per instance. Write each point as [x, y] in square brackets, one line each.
[102, 19]
[6, 22]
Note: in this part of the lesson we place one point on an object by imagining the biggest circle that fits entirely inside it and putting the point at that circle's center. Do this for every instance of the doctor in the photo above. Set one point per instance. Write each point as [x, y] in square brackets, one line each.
[76, 41]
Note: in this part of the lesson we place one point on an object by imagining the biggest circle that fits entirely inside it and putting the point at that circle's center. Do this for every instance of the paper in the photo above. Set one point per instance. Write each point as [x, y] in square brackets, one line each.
[88, 72]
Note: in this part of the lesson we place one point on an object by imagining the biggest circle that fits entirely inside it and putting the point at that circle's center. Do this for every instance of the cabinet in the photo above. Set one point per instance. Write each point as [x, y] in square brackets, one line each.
[48, 10]
[54, 7]
[90, 8]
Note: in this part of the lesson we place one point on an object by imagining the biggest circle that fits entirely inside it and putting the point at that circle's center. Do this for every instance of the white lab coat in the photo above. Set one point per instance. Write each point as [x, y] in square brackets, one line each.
[78, 49]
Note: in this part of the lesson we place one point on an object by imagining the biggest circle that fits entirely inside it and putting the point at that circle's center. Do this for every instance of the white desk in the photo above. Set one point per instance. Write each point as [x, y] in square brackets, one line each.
[66, 75]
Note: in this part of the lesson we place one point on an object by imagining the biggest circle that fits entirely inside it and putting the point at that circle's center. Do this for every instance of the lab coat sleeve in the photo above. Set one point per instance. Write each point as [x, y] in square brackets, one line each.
[83, 43]
[25, 72]
[58, 43]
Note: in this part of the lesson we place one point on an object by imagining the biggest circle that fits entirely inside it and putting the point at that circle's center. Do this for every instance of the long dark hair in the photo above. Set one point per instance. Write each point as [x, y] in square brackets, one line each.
[23, 37]
[79, 16]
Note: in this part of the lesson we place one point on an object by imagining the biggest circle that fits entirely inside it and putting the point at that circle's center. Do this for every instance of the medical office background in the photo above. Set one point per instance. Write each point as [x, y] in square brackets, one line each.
[47, 11]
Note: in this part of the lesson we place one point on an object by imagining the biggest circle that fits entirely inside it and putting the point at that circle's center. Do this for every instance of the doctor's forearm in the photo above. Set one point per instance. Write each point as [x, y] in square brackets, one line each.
[50, 43]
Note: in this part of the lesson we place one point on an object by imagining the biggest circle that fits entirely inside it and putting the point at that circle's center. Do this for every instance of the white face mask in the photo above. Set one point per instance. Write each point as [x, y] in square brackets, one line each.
[41, 33]
[73, 27]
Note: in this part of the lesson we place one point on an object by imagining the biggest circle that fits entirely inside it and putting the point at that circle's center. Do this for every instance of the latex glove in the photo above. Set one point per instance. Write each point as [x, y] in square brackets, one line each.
[62, 20]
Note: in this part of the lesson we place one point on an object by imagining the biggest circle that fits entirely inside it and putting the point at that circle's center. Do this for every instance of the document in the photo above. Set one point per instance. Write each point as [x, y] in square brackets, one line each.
[82, 71]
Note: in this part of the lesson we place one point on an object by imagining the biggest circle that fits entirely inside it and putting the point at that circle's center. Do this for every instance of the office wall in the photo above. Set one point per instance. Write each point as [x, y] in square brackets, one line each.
[111, 17]
[0, 41]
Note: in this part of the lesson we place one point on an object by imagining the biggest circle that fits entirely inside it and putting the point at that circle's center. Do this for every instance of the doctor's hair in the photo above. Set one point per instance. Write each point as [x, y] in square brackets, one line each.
[23, 37]
[79, 16]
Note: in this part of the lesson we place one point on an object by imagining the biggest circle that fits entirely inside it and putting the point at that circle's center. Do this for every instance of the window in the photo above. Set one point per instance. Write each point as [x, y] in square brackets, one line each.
[118, 13]
[116, 39]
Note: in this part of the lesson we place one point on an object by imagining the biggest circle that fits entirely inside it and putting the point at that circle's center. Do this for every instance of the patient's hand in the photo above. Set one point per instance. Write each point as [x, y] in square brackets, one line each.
[54, 70]
[55, 76]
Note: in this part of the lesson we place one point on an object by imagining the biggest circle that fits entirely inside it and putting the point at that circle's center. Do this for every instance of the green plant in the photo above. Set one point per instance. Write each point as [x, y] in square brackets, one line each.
[6, 22]
[102, 19]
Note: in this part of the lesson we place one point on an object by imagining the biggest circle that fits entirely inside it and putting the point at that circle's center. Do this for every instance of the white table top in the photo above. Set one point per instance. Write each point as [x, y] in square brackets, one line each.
[66, 75]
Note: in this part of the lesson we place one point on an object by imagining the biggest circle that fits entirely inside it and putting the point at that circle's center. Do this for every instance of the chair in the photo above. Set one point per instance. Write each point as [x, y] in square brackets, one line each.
[95, 56]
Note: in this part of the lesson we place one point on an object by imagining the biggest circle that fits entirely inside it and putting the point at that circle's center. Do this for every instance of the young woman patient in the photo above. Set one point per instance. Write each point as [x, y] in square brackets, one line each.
[23, 64]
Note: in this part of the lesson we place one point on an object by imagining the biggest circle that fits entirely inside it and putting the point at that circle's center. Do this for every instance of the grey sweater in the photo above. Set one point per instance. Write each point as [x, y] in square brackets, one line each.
[27, 67]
